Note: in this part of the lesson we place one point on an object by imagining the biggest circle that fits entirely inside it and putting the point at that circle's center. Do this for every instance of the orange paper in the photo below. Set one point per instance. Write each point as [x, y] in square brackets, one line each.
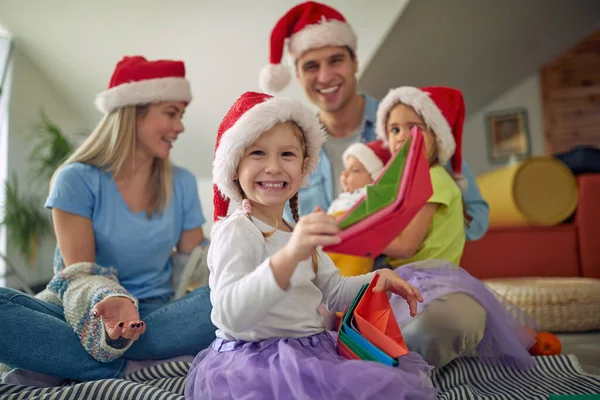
[376, 322]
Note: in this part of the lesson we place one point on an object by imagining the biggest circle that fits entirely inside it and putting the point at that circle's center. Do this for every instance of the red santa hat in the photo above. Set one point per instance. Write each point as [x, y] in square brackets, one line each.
[373, 156]
[307, 26]
[443, 110]
[137, 81]
[249, 117]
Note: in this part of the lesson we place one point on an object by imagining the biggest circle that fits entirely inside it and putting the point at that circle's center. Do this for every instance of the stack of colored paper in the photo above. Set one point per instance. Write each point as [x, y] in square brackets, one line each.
[369, 330]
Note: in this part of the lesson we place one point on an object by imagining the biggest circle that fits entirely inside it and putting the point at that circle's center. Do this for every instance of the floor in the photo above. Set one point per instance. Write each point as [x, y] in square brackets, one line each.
[586, 346]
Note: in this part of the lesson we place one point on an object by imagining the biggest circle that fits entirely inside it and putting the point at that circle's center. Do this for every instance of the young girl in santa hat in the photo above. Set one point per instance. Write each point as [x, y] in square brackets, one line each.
[459, 315]
[268, 276]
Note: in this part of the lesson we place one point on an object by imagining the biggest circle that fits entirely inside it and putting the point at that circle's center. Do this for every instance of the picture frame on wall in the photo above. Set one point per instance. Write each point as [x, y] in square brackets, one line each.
[508, 135]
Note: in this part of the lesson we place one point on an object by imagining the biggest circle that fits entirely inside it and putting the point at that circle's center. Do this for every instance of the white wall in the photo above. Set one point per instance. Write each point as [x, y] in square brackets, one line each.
[527, 94]
[31, 92]
[223, 50]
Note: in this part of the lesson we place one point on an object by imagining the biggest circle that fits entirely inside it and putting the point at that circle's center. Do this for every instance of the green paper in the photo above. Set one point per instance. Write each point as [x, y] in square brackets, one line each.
[384, 192]
[350, 311]
[347, 340]
[356, 349]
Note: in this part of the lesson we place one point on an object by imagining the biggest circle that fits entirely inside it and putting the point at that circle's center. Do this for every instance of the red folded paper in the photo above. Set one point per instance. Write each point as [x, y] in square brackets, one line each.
[376, 322]
[345, 352]
[370, 236]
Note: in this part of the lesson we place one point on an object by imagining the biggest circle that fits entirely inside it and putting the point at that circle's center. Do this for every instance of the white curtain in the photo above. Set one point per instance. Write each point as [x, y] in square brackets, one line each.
[5, 84]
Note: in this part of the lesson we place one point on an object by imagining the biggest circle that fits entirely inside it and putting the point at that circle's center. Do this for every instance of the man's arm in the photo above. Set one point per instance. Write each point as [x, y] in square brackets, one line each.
[477, 207]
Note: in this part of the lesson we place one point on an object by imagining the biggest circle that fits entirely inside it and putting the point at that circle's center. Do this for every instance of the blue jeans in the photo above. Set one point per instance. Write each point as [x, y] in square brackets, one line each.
[35, 337]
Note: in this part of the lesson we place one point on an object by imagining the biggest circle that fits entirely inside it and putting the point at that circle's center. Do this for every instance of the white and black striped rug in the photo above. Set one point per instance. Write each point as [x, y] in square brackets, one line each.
[463, 379]
[466, 379]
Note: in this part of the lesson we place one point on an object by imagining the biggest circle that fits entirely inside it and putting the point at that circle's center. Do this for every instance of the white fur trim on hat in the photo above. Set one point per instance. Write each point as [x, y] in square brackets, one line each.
[274, 78]
[423, 105]
[144, 92]
[248, 128]
[324, 33]
[366, 156]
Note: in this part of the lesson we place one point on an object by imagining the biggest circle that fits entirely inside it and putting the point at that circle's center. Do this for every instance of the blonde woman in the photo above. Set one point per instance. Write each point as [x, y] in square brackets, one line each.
[119, 210]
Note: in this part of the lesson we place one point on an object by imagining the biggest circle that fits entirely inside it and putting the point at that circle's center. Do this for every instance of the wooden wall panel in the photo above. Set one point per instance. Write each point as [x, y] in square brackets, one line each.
[571, 97]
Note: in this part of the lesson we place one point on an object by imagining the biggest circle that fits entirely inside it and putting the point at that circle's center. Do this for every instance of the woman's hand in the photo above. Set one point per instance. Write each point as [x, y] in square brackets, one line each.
[120, 318]
[390, 281]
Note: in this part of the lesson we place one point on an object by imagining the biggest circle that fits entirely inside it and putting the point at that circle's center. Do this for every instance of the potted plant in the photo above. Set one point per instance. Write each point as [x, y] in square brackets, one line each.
[51, 147]
[25, 220]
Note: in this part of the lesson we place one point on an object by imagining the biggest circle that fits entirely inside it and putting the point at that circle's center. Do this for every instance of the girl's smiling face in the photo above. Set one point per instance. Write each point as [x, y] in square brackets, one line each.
[271, 170]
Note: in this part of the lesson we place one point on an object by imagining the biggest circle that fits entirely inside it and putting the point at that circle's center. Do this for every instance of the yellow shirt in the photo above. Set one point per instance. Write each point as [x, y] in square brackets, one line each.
[347, 264]
[445, 238]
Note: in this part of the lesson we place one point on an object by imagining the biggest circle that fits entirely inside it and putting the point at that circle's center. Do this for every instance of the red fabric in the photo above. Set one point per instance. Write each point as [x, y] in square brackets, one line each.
[380, 150]
[452, 105]
[523, 251]
[296, 19]
[244, 103]
[587, 220]
[570, 249]
[137, 68]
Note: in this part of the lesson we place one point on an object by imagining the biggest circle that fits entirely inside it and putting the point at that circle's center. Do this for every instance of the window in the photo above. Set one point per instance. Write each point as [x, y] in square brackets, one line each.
[5, 84]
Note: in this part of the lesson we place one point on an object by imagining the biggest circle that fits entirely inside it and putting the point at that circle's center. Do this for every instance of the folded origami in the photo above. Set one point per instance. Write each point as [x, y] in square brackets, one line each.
[369, 330]
[391, 202]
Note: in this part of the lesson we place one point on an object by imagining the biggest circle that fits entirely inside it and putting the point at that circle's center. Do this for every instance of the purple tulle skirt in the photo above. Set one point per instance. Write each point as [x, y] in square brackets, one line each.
[504, 339]
[305, 368]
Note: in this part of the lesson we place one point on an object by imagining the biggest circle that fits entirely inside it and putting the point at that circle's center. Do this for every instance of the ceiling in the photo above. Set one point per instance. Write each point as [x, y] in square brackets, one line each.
[483, 47]
[224, 44]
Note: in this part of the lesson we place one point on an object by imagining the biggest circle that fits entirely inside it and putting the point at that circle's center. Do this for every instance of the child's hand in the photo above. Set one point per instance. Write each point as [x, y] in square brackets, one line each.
[315, 229]
[389, 280]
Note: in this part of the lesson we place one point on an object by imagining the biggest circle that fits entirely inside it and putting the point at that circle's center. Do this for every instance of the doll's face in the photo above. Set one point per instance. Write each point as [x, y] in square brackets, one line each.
[400, 121]
[355, 175]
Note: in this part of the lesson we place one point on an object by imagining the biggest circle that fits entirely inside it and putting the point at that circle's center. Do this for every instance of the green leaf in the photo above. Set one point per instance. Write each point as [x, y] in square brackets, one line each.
[51, 147]
[24, 218]
[383, 192]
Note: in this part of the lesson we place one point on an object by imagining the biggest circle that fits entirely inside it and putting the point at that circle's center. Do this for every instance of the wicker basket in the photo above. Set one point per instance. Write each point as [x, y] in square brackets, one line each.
[557, 304]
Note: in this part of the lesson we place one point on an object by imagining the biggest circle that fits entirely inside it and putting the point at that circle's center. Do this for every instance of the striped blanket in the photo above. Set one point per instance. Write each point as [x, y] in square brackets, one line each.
[463, 379]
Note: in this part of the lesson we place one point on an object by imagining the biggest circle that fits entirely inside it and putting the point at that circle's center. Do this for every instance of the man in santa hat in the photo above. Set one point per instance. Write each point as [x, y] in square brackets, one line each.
[321, 47]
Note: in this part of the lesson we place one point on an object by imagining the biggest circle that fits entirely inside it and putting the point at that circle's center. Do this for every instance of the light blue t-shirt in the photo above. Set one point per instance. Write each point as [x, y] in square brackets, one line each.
[138, 247]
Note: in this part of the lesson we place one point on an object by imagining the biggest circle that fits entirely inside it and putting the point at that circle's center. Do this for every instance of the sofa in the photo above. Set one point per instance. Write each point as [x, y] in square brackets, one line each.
[571, 249]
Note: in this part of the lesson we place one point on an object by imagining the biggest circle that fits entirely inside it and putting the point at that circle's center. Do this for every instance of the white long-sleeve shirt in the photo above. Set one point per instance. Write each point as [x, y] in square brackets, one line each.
[248, 304]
